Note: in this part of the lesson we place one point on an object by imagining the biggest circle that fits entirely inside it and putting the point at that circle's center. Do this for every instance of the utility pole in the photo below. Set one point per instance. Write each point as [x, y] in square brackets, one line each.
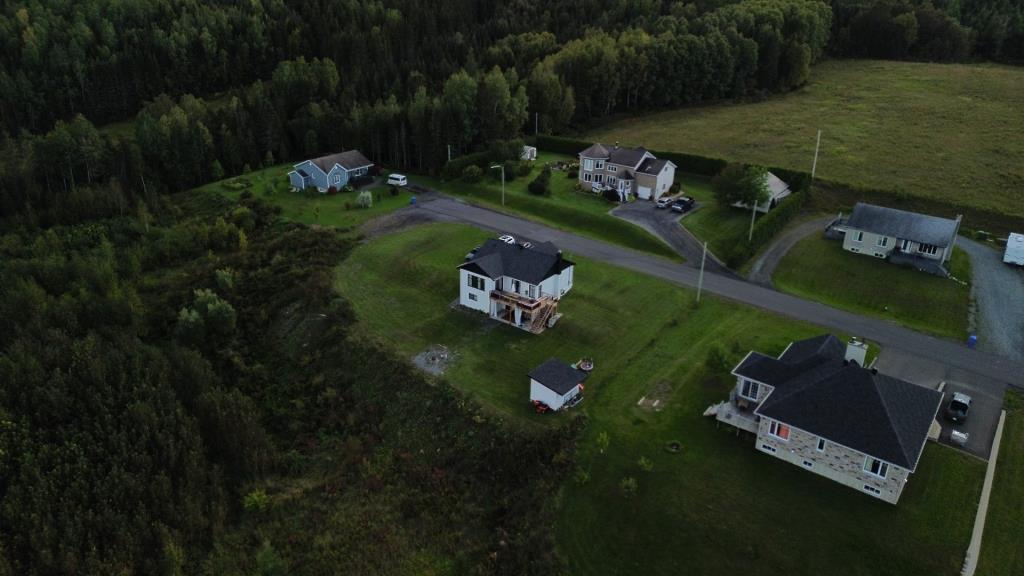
[753, 213]
[502, 167]
[536, 122]
[700, 279]
[449, 152]
[814, 166]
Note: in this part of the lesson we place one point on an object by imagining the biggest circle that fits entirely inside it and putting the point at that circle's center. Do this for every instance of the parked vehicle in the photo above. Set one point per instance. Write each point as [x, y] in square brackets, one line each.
[684, 204]
[1014, 250]
[663, 202]
[397, 180]
[958, 407]
[507, 238]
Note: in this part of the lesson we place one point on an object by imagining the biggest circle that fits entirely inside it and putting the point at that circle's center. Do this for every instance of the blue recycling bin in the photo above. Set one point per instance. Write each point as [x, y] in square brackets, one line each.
[412, 200]
[972, 341]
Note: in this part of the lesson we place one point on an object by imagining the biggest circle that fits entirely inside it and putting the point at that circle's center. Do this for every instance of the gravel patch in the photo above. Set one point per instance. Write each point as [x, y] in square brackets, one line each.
[999, 292]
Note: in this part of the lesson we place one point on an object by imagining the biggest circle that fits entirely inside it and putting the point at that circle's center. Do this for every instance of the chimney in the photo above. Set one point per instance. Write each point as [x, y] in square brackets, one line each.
[616, 144]
[856, 351]
[559, 255]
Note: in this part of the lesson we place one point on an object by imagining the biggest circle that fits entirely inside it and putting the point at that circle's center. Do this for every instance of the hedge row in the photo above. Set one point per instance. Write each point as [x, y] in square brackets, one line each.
[454, 167]
[766, 228]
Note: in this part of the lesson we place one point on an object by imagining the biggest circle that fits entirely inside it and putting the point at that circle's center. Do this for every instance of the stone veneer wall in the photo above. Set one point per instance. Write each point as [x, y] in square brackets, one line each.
[836, 463]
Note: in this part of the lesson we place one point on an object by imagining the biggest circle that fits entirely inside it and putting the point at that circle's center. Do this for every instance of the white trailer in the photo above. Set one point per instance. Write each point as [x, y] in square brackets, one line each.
[1014, 250]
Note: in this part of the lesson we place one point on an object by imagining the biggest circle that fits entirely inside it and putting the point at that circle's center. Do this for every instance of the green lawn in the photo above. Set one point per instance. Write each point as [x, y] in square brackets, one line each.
[718, 506]
[1001, 552]
[271, 185]
[581, 212]
[949, 131]
[722, 227]
[819, 269]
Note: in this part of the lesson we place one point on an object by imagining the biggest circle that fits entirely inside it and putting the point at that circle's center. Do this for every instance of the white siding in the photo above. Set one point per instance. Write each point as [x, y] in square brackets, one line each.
[665, 179]
[548, 396]
[482, 301]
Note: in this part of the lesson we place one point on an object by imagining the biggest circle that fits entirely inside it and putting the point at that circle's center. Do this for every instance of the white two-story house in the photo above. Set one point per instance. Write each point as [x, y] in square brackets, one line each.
[628, 171]
[517, 284]
[816, 407]
[329, 171]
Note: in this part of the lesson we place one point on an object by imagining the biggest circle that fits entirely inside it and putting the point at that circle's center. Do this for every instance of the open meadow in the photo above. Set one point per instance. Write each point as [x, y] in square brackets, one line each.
[948, 131]
[715, 507]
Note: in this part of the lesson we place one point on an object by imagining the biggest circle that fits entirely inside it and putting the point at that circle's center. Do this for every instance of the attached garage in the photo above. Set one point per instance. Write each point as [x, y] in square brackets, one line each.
[643, 192]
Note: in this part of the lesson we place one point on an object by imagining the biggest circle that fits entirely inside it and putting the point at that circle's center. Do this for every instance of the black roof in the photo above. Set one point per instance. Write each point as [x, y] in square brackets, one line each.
[533, 265]
[626, 156]
[557, 375]
[820, 393]
[902, 224]
[652, 166]
[798, 358]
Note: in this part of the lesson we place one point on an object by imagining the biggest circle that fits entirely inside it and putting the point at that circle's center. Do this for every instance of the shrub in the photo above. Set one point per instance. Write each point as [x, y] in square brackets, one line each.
[645, 464]
[717, 360]
[332, 190]
[611, 195]
[472, 174]
[365, 199]
[348, 189]
[348, 205]
[524, 168]
[225, 279]
[603, 440]
[573, 173]
[541, 184]
[256, 501]
[511, 170]
[245, 195]
[581, 477]
[393, 190]
[629, 486]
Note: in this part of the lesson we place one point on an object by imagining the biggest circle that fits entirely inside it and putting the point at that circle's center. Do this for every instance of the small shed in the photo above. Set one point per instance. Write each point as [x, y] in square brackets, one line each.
[556, 384]
[528, 153]
[1014, 250]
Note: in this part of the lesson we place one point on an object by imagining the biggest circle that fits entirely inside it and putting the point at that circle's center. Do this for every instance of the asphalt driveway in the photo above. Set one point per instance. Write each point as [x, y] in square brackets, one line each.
[998, 290]
[664, 223]
[986, 396]
[762, 269]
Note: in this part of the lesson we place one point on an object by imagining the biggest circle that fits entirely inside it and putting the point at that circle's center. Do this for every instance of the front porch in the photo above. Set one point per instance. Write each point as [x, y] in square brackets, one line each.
[736, 412]
[918, 262]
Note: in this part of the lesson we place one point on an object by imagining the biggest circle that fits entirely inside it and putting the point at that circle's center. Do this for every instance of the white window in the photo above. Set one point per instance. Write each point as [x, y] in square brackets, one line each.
[476, 282]
[858, 236]
[598, 178]
[337, 178]
[531, 290]
[927, 249]
[882, 241]
[876, 467]
[779, 430]
[472, 297]
[808, 464]
[586, 176]
[613, 168]
[750, 389]
[588, 164]
[906, 245]
[768, 448]
[821, 444]
[600, 164]
[872, 489]
[516, 286]
[612, 180]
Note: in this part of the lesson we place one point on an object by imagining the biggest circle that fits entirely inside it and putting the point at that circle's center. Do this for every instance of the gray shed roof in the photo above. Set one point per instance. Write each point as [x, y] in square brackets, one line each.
[818, 392]
[902, 224]
[349, 160]
[533, 265]
[558, 376]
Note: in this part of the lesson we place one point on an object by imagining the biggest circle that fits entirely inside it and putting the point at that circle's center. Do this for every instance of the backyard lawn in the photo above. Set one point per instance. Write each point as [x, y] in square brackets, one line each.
[271, 185]
[584, 213]
[948, 131]
[819, 269]
[717, 507]
[1001, 552]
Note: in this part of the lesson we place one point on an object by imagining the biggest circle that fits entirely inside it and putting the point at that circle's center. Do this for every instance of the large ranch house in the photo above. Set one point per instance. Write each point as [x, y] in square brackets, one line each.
[628, 171]
[817, 407]
[516, 283]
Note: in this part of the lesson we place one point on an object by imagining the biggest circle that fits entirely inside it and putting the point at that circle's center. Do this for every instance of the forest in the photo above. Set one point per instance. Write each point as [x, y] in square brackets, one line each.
[180, 389]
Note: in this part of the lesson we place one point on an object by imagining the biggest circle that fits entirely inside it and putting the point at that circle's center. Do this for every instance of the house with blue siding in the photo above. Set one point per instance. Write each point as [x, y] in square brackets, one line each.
[334, 170]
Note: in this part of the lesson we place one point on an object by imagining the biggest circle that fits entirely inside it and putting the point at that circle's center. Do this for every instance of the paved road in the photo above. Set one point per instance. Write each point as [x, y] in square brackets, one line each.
[762, 269]
[998, 368]
[999, 291]
[664, 224]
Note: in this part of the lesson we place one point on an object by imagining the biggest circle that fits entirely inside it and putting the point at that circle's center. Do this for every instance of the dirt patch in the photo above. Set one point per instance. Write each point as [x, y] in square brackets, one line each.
[397, 221]
[657, 397]
[434, 360]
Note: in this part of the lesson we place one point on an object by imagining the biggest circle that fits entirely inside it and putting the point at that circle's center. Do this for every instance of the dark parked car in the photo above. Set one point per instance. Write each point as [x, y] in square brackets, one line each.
[958, 407]
[684, 204]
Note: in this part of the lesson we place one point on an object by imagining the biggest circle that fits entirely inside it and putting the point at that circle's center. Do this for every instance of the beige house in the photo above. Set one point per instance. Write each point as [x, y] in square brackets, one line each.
[629, 171]
[816, 407]
[907, 238]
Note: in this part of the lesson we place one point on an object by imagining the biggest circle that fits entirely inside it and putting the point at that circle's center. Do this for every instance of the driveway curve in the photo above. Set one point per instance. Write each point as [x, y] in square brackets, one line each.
[664, 224]
[998, 290]
[762, 269]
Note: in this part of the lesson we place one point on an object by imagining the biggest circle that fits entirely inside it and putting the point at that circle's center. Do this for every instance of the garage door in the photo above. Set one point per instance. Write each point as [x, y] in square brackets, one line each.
[643, 192]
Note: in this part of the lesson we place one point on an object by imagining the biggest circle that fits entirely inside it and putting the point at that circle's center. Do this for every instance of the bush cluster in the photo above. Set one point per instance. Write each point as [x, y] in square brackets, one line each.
[541, 185]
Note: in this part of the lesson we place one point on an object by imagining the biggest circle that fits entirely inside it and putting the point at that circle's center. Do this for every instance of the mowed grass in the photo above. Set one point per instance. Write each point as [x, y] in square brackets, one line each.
[584, 213]
[718, 507]
[340, 210]
[1001, 551]
[722, 227]
[948, 131]
[819, 269]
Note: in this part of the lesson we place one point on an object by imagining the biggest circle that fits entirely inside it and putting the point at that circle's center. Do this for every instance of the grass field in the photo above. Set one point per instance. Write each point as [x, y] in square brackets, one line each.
[271, 185]
[718, 507]
[819, 269]
[583, 213]
[1001, 550]
[948, 131]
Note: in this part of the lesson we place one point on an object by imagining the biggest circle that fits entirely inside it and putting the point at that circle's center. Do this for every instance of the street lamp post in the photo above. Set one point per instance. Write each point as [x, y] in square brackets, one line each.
[502, 167]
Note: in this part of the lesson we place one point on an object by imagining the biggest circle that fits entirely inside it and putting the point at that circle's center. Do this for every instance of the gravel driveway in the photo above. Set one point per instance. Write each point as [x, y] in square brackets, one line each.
[999, 292]
[762, 269]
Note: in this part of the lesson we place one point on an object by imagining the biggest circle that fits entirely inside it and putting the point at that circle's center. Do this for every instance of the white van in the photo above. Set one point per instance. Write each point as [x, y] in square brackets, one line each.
[397, 180]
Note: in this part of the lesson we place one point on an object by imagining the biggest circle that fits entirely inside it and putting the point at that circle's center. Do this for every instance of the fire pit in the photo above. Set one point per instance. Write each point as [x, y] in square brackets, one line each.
[585, 364]
[673, 446]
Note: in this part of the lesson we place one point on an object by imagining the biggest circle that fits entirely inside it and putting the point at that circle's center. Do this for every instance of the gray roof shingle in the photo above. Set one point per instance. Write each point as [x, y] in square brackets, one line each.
[533, 265]
[349, 160]
[627, 156]
[596, 150]
[902, 224]
[558, 376]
